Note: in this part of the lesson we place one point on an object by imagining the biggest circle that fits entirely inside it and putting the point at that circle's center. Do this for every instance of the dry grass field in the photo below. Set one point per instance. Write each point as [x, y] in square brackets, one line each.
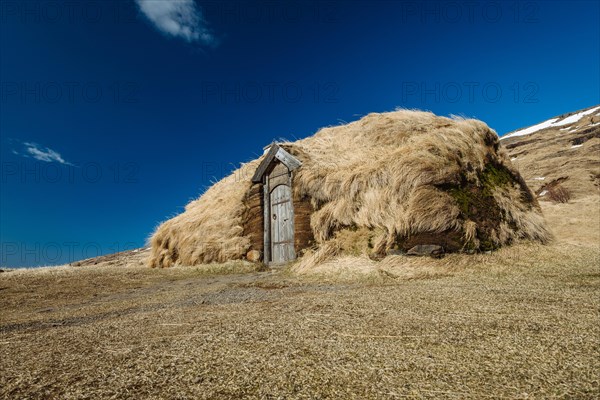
[519, 323]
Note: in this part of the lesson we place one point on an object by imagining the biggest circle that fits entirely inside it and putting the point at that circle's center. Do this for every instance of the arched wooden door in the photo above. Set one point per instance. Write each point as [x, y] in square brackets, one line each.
[282, 224]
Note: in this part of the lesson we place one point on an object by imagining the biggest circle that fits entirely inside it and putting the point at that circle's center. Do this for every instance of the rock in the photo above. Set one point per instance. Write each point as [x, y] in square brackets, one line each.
[253, 256]
[376, 256]
[432, 250]
[395, 252]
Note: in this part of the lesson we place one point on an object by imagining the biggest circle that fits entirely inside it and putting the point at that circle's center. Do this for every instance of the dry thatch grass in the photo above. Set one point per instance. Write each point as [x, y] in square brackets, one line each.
[392, 176]
[210, 229]
[576, 226]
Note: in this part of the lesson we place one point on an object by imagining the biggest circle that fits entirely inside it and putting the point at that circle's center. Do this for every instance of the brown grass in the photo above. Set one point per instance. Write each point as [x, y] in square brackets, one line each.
[556, 154]
[518, 323]
[559, 194]
[396, 175]
[576, 222]
[576, 226]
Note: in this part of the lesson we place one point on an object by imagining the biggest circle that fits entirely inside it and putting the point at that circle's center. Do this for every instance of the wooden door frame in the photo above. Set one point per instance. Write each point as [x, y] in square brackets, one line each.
[267, 216]
[267, 220]
[274, 153]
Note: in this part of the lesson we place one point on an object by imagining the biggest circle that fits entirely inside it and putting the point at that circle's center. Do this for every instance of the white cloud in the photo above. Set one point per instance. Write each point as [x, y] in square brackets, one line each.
[41, 153]
[178, 18]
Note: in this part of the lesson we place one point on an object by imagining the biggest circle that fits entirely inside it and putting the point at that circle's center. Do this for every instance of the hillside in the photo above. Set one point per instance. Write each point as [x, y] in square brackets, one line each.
[565, 149]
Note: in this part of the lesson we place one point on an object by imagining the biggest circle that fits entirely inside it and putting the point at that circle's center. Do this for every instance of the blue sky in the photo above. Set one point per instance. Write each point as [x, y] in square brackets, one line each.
[114, 114]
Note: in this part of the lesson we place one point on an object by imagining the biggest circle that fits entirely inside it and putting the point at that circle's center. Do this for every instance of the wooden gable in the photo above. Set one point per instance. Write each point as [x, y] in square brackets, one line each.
[275, 153]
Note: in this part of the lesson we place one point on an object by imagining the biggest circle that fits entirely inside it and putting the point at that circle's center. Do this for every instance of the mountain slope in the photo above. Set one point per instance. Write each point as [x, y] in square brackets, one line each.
[563, 149]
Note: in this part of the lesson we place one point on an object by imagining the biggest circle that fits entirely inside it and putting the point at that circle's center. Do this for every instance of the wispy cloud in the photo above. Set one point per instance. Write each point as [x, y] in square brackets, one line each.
[40, 153]
[181, 19]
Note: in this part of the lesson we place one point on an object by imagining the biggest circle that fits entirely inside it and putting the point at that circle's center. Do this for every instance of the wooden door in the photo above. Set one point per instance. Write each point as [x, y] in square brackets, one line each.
[282, 225]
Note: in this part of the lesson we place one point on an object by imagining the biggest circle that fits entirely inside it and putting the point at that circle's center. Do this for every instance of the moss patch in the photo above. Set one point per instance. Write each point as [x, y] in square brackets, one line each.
[475, 200]
[495, 176]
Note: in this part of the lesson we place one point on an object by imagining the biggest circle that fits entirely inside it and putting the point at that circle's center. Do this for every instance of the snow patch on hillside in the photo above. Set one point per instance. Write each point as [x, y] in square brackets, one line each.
[551, 123]
[531, 129]
[575, 117]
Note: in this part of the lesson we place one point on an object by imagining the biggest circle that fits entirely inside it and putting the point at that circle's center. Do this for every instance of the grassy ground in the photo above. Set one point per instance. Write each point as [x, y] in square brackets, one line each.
[522, 322]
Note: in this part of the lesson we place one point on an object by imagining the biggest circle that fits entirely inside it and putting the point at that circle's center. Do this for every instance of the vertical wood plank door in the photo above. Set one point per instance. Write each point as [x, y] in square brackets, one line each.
[282, 225]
